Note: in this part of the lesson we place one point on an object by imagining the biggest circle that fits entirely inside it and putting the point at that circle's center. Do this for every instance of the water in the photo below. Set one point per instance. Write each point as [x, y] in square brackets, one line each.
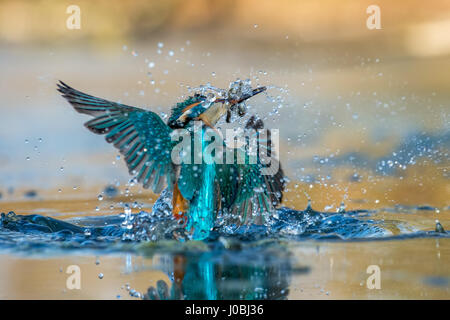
[341, 139]
[124, 232]
[246, 262]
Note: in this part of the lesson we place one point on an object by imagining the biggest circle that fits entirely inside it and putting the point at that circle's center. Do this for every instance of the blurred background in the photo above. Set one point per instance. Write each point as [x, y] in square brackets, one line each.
[363, 114]
[363, 117]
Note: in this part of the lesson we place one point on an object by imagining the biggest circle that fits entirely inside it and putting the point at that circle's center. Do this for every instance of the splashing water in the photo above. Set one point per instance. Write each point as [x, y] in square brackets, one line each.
[36, 233]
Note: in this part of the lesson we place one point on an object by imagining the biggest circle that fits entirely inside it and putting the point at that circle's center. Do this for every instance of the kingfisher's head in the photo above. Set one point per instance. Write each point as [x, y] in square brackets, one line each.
[187, 110]
[210, 104]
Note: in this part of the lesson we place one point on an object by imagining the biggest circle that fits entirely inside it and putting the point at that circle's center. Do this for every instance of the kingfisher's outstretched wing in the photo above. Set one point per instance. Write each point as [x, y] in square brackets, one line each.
[257, 193]
[140, 135]
[251, 189]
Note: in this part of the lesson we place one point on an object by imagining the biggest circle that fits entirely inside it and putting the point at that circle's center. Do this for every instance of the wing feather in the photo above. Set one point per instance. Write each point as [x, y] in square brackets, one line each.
[245, 190]
[140, 135]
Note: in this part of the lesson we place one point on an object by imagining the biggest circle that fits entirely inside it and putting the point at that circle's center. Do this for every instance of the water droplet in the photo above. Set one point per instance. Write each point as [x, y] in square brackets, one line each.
[127, 222]
[171, 53]
[160, 44]
[100, 275]
[439, 228]
[341, 208]
[151, 64]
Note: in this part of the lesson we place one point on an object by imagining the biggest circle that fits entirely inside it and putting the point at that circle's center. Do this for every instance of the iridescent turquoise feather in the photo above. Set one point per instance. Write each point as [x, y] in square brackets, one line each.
[145, 142]
[201, 213]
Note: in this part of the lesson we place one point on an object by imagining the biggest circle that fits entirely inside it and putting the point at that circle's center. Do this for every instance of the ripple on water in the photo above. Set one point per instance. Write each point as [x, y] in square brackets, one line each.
[37, 233]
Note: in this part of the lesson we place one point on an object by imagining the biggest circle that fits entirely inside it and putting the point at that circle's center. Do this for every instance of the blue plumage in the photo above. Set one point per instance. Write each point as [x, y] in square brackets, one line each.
[199, 190]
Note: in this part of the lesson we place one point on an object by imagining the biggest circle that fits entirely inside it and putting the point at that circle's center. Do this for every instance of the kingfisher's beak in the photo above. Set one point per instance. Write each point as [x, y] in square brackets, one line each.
[258, 90]
[248, 96]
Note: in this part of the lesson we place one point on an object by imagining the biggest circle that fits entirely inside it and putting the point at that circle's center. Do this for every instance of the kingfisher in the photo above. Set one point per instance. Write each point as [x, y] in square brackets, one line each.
[236, 189]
